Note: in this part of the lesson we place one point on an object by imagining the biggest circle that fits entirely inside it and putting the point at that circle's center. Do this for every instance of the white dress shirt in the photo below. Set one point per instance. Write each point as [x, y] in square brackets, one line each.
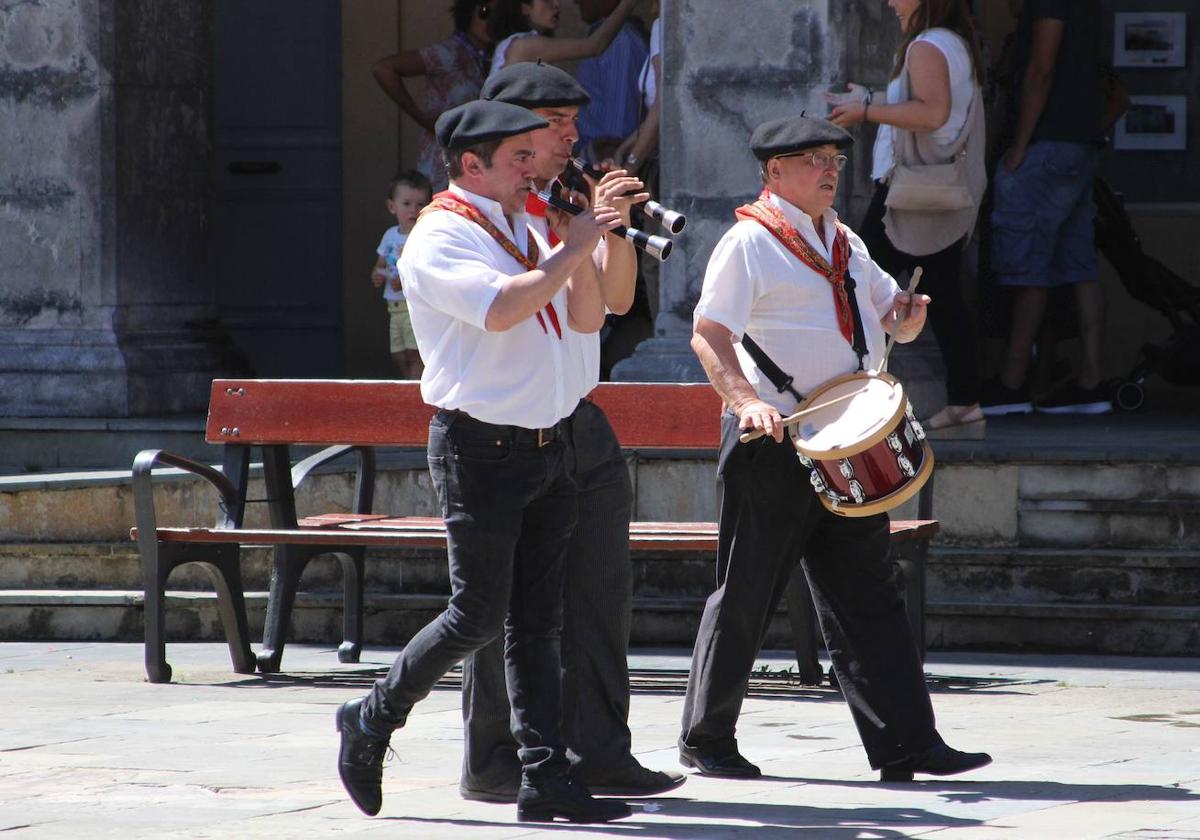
[756, 286]
[583, 349]
[453, 269]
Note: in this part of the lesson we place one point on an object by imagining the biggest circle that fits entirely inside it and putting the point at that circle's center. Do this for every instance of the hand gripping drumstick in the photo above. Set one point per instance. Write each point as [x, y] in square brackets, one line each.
[793, 419]
[912, 287]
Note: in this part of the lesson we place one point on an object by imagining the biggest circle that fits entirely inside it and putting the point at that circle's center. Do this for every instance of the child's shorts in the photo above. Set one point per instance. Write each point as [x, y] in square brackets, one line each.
[400, 327]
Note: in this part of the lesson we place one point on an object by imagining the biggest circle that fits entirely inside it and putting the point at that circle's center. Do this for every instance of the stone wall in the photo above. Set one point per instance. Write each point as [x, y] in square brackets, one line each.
[106, 306]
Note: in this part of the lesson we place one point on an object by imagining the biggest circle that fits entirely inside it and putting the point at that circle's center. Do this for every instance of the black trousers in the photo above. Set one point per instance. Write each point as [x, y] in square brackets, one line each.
[770, 521]
[509, 507]
[953, 323]
[597, 601]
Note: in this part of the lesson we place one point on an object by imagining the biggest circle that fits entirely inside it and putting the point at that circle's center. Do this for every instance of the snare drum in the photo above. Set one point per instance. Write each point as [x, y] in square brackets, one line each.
[867, 451]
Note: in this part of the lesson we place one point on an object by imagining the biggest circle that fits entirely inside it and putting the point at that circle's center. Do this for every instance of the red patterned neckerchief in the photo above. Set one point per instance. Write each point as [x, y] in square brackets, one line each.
[535, 207]
[770, 217]
[453, 203]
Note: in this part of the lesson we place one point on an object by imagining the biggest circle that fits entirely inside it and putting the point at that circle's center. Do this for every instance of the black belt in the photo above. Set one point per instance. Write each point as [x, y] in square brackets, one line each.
[517, 435]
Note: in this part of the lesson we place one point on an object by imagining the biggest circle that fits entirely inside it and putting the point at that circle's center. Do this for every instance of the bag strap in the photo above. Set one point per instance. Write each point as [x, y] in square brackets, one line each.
[960, 142]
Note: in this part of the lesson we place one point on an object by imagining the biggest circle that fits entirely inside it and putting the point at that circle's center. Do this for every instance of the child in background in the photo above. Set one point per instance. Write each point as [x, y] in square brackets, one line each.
[407, 194]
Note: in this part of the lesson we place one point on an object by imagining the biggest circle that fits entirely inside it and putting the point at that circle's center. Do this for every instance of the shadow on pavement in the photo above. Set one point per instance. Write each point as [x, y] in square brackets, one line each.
[747, 819]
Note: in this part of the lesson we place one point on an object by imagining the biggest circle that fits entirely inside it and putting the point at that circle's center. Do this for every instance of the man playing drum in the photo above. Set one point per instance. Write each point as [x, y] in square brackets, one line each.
[794, 279]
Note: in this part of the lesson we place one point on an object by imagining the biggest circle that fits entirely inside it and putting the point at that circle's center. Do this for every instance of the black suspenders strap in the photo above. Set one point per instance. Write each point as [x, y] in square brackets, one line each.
[779, 379]
[859, 344]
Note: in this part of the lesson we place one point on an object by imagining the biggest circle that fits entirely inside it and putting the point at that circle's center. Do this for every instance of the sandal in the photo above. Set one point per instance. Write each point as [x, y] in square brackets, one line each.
[956, 422]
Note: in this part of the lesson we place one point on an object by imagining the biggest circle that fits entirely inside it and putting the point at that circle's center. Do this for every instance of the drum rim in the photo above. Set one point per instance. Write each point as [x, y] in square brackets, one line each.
[864, 445]
[894, 499]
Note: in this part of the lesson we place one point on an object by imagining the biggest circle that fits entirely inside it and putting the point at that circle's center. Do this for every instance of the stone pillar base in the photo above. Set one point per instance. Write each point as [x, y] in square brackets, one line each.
[97, 373]
[661, 359]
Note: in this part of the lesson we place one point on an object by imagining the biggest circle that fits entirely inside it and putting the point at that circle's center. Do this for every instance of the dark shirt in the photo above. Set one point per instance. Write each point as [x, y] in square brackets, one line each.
[1074, 113]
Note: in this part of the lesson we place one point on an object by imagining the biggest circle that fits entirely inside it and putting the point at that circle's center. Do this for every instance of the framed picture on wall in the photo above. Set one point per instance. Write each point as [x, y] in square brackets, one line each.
[1150, 39]
[1157, 123]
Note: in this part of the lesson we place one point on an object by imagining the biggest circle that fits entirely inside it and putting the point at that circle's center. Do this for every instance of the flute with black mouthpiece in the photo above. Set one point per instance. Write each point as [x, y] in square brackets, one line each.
[658, 247]
[672, 221]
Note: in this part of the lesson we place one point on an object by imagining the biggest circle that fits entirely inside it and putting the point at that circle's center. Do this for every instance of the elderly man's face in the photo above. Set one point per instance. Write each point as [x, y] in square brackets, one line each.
[810, 186]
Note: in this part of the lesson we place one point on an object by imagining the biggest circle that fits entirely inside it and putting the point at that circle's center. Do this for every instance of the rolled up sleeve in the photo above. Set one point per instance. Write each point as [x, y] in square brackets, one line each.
[729, 289]
[450, 272]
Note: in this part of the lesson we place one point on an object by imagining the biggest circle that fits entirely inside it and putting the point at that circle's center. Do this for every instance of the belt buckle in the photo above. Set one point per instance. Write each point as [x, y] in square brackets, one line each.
[543, 438]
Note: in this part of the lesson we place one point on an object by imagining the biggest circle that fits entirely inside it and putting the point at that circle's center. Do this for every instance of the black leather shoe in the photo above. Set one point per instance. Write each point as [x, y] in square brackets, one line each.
[635, 780]
[938, 760]
[505, 794]
[360, 760]
[566, 798]
[732, 765]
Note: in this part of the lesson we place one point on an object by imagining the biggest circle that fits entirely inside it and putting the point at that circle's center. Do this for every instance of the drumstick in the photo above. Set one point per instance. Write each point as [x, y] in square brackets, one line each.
[793, 419]
[912, 287]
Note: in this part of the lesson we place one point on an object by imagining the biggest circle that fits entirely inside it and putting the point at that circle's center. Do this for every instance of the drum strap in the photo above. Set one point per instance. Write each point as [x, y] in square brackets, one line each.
[859, 344]
[772, 371]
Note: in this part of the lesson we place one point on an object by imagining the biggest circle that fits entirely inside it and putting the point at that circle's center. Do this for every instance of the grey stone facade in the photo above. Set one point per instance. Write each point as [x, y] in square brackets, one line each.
[106, 303]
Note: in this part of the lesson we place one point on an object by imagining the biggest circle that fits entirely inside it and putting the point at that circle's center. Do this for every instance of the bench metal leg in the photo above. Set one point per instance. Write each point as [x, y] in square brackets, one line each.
[222, 563]
[805, 633]
[287, 564]
[225, 570]
[155, 568]
[910, 557]
[353, 570]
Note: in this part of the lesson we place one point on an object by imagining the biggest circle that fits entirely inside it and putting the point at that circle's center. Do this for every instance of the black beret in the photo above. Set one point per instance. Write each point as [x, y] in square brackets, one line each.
[795, 134]
[532, 84]
[480, 121]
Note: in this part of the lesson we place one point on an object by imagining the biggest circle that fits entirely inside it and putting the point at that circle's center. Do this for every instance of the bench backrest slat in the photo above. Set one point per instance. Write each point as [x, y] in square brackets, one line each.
[391, 413]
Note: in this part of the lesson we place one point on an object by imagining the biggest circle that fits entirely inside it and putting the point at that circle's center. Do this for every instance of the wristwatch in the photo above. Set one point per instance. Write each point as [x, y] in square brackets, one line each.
[631, 160]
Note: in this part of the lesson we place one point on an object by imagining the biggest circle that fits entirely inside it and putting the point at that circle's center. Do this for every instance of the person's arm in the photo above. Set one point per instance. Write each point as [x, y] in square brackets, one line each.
[1116, 100]
[390, 73]
[640, 145]
[554, 50]
[379, 273]
[928, 106]
[712, 343]
[585, 298]
[523, 295]
[618, 270]
[1035, 86]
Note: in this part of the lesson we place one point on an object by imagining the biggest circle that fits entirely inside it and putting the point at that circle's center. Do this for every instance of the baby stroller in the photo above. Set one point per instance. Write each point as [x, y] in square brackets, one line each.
[1177, 359]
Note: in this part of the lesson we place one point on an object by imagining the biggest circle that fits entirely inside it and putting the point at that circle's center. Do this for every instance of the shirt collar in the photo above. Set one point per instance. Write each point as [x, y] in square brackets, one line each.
[493, 211]
[804, 223]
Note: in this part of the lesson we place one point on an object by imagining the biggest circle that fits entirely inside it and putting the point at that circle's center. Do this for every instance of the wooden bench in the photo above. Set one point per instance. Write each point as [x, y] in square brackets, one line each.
[350, 419]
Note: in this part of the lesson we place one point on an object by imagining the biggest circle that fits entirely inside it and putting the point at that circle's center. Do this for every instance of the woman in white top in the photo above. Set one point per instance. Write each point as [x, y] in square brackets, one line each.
[939, 65]
[523, 30]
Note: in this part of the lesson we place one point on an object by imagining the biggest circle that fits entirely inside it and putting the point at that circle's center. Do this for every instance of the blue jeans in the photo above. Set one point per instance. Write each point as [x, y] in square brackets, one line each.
[509, 505]
[1043, 216]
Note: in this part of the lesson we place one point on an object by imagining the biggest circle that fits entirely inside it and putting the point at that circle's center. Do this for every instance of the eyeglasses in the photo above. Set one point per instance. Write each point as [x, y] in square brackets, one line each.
[820, 160]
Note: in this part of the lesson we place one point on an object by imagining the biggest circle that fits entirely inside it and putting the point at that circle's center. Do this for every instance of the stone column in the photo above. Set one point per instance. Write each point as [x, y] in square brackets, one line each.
[727, 68]
[106, 303]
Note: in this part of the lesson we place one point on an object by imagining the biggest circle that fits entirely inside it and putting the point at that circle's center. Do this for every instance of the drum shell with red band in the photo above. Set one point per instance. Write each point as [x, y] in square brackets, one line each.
[867, 451]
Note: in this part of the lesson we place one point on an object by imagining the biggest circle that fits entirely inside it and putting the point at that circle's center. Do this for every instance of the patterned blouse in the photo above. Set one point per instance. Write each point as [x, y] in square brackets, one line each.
[454, 74]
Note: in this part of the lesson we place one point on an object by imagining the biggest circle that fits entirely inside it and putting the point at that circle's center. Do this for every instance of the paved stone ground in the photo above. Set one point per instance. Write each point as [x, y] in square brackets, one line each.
[1085, 747]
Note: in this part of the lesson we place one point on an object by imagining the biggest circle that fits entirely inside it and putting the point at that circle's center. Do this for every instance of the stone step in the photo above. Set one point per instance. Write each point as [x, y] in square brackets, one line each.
[1133, 523]
[116, 615]
[1054, 576]
[389, 571]
[984, 575]
[1081, 628]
